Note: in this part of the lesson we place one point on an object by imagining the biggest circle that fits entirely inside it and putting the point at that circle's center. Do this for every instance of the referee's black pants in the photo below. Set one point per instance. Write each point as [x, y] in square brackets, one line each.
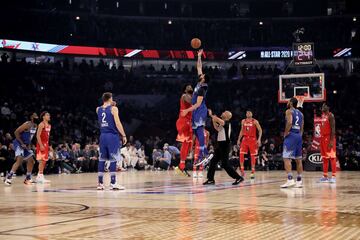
[222, 151]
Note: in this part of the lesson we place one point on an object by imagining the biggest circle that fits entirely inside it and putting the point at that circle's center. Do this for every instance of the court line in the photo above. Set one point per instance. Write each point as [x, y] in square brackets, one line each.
[54, 223]
[85, 207]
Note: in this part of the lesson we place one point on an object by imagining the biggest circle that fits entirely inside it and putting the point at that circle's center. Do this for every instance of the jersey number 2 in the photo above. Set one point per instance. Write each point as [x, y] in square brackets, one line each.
[103, 117]
[297, 120]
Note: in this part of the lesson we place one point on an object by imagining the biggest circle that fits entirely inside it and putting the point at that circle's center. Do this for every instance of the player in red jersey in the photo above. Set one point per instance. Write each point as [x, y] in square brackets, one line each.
[42, 146]
[248, 141]
[183, 126]
[328, 143]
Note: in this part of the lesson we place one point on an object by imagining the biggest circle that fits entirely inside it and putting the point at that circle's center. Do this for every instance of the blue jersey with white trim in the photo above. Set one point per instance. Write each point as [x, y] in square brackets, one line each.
[106, 120]
[297, 120]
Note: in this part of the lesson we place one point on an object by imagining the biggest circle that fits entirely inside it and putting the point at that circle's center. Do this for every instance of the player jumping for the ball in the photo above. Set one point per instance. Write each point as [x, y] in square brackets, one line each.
[292, 148]
[183, 126]
[200, 112]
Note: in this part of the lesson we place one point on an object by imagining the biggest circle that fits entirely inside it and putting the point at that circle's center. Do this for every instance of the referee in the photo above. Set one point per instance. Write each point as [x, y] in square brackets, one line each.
[223, 127]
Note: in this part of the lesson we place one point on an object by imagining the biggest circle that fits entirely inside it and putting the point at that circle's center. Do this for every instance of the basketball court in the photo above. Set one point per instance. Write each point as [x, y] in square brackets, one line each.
[163, 205]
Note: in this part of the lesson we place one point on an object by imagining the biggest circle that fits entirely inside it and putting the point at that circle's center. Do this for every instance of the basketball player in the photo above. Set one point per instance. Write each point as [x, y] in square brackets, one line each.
[223, 127]
[42, 146]
[200, 112]
[110, 142]
[23, 135]
[247, 141]
[328, 144]
[292, 148]
[183, 126]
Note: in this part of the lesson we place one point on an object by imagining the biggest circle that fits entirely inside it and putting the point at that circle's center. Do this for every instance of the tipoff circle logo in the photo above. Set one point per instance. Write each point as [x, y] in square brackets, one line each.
[315, 158]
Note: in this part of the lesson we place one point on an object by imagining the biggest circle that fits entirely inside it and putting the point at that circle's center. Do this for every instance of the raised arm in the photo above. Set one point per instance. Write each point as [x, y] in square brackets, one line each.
[216, 121]
[288, 125]
[257, 124]
[241, 133]
[119, 126]
[199, 63]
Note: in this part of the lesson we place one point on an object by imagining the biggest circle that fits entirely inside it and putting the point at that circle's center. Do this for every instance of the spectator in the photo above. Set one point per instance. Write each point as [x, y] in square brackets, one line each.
[165, 161]
[5, 110]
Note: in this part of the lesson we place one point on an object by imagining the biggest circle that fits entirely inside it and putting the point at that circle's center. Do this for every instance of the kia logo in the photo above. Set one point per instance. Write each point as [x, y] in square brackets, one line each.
[315, 158]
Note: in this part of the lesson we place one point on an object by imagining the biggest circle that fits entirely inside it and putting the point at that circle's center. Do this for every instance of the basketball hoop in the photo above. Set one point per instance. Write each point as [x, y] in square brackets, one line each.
[301, 100]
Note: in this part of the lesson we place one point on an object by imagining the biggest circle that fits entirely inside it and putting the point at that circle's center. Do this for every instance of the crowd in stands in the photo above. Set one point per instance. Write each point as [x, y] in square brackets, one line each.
[156, 33]
[71, 92]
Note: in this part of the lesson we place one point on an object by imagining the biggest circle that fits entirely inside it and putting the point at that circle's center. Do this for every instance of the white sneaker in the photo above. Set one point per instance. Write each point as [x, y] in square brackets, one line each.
[100, 186]
[41, 179]
[116, 187]
[7, 181]
[195, 174]
[200, 175]
[205, 160]
[299, 184]
[288, 184]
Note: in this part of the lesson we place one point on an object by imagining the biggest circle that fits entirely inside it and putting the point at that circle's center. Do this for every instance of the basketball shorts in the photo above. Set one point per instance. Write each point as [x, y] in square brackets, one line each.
[42, 155]
[292, 147]
[327, 152]
[110, 146]
[199, 117]
[249, 144]
[183, 126]
[21, 152]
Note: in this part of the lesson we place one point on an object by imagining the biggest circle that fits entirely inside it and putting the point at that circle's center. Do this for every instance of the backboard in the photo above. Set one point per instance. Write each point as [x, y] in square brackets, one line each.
[309, 85]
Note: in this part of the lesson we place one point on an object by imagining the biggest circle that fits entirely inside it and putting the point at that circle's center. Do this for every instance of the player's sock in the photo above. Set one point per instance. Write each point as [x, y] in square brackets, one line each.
[253, 162]
[182, 165]
[290, 176]
[333, 166]
[28, 176]
[184, 151]
[325, 167]
[10, 175]
[299, 177]
[242, 160]
[201, 168]
[113, 172]
[101, 169]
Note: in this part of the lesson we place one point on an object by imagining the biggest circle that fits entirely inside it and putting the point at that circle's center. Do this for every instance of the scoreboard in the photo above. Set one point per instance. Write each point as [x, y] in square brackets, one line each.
[303, 54]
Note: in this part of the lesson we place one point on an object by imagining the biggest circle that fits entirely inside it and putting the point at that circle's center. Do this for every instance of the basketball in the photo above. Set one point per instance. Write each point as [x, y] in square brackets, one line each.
[195, 43]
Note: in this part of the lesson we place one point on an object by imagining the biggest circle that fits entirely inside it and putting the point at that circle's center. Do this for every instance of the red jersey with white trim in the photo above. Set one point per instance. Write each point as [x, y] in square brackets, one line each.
[249, 128]
[325, 125]
[45, 134]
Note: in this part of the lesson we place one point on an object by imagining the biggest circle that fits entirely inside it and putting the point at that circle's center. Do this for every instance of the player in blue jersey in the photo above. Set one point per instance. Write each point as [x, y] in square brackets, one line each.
[292, 148]
[199, 112]
[22, 147]
[112, 136]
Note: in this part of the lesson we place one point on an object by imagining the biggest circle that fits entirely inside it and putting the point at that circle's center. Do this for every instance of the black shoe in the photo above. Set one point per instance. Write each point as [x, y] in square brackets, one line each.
[237, 181]
[209, 182]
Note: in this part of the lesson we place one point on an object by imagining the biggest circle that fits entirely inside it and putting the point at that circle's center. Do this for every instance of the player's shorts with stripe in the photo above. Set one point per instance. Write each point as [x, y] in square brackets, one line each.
[110, 146]
[249, 144]
[42, 155]
[21, 152]
[199, 117]
[183, 126]
[292, 147]
[327, 152]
